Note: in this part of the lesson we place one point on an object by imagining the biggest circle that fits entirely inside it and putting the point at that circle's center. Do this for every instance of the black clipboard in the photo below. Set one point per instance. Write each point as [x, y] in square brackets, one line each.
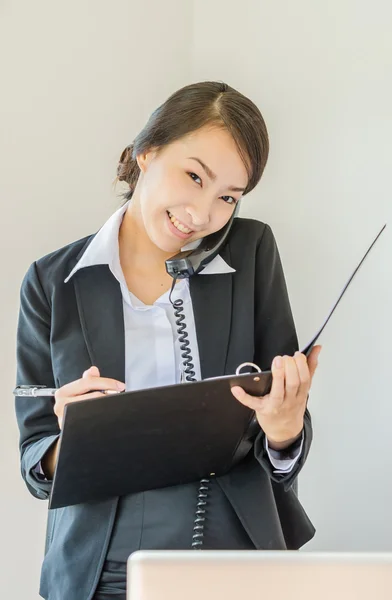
[147, 439]
[158, 437]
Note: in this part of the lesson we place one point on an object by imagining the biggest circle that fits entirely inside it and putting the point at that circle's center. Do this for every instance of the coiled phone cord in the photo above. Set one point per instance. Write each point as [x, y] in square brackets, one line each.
[202, 495]
[183, 339]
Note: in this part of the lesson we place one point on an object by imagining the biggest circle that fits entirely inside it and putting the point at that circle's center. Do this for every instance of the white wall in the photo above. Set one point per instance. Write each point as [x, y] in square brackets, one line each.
[78, 80]
[321, 72]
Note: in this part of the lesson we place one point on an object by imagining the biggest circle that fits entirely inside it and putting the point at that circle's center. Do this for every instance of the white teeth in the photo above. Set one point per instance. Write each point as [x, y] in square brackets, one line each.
[178, 225]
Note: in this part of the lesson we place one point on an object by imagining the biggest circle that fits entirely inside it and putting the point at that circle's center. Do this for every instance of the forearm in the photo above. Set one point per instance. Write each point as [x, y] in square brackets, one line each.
[261, 454]
[49, 461]
[282, 445]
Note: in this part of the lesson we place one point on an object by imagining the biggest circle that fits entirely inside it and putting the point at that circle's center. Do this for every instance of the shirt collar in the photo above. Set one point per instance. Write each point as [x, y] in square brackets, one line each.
[103, 249]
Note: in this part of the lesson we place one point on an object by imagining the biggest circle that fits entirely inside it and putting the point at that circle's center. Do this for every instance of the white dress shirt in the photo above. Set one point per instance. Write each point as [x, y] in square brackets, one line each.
[152, 349]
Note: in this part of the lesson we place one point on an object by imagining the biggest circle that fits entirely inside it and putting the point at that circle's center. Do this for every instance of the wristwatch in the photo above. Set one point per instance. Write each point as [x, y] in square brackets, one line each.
[288, 453]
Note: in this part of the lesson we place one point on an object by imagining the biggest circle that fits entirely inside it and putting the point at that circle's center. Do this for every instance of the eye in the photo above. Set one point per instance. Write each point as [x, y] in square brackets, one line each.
[229, 199]
[195, 178]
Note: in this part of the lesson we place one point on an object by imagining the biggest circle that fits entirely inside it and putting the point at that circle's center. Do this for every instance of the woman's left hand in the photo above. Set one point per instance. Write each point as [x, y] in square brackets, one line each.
[281, 412]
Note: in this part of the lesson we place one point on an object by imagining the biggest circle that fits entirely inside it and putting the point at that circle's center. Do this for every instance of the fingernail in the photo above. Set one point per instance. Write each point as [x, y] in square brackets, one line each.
[278, 362]
[111, 392]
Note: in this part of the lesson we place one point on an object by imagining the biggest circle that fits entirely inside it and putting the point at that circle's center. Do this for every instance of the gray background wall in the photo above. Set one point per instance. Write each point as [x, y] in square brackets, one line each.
[321, 73]
[80, 79]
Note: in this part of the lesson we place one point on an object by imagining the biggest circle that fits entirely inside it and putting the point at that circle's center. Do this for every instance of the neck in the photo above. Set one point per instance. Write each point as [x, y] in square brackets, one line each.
[135, 247]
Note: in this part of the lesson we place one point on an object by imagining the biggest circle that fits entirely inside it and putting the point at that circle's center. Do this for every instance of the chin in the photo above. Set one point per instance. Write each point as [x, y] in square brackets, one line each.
[167, 249]
[165, 245]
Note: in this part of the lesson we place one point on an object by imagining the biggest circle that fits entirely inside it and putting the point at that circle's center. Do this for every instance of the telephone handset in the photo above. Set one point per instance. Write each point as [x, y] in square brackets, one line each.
[190, 262]
[186, 264]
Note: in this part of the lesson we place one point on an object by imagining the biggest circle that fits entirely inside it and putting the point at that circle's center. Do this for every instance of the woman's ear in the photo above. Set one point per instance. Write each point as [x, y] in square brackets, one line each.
[145, 159]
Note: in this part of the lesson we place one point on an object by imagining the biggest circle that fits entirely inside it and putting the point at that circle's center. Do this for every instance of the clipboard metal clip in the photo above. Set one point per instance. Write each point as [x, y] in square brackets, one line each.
[248, 364]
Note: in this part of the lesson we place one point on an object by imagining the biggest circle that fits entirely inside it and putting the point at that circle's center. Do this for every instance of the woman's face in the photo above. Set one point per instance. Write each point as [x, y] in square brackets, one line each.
[189, 189]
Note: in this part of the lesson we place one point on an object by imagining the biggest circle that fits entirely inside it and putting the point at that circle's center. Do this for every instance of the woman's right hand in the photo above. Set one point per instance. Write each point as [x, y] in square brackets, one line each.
[73, 392]
[83, 389]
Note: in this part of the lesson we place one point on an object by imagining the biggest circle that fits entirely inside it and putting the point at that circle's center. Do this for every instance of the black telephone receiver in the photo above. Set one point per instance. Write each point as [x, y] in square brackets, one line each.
[190, 262]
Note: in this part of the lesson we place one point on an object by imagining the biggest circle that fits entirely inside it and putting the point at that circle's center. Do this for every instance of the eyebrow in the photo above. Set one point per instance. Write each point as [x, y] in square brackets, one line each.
[212, 175]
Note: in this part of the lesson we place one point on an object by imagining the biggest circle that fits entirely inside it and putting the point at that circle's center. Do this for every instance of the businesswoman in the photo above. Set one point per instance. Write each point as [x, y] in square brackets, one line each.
[98, 315]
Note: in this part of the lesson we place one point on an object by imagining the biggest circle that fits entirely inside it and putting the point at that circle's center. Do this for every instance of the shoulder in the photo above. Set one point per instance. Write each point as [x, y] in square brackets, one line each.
[249, 229]
[248, 238]
[54, 267]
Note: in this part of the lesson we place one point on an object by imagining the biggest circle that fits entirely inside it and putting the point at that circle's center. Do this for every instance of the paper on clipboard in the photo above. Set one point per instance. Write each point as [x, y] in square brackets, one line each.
[306, 350]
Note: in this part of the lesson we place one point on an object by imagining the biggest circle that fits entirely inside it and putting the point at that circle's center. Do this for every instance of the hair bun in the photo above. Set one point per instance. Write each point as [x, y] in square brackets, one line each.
[124, 167]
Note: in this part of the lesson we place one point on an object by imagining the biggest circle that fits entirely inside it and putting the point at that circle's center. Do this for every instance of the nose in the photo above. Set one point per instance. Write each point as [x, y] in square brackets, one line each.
[200, 214]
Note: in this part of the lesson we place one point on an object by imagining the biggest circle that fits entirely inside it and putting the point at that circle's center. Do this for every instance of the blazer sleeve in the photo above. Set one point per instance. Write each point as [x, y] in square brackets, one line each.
[38, 425]
[274, 335]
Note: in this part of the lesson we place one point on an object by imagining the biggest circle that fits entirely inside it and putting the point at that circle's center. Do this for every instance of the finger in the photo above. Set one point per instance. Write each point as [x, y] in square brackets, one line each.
[313, 360]
[292, 380]
[278, 380]
[303, 372]
[88, 384]
[88, 396]
[61, 403]
[92, 372]
[253, 402]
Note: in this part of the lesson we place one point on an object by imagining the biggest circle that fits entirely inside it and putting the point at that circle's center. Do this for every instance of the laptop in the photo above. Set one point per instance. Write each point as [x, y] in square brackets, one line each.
[264, 575]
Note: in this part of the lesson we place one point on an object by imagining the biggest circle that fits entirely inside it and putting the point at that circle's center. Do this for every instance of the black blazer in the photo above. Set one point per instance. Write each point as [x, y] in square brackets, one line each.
[65, 328]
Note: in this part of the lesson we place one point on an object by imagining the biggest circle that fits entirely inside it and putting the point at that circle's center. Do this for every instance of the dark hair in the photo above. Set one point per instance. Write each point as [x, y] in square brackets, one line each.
[189, 109]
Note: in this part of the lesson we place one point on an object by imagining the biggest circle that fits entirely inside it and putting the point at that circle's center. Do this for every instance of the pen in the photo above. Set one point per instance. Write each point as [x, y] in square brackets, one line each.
[32, 391]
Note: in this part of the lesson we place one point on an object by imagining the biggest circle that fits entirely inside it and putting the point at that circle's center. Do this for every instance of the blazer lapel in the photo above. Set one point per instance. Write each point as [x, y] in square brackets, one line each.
[212, 306]
[100, 306]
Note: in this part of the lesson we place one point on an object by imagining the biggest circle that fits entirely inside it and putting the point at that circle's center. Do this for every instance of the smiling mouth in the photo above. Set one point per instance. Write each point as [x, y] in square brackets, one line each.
[179, 225]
